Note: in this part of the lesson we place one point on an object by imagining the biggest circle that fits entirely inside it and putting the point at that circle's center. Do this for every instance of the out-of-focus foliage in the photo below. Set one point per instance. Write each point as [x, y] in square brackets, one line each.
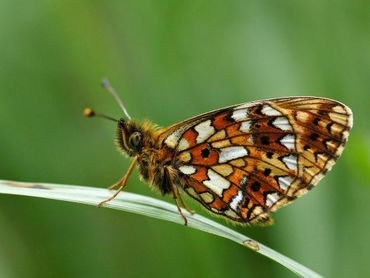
[170, 60]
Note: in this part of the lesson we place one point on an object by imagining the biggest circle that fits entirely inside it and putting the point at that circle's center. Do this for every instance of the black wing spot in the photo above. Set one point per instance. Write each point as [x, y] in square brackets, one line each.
[265, 140]
[267, 172]
[310, 186]
[205, 153]
[328, 126]
[256, 186]
[255, 124]
[245, 202]
[271, 122]
[325, 143]
[316, 121]
[269, 154]
[306, 147]
[250, 210]
[228, 117]
[259, 110]
[314, 136]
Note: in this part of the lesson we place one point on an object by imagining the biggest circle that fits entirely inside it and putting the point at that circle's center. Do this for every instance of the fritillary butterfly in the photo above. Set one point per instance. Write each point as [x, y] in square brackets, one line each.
[241, 162]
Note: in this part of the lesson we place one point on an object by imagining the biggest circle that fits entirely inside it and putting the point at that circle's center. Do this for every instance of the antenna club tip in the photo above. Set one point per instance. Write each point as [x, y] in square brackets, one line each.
[88, 112]
[105, 83]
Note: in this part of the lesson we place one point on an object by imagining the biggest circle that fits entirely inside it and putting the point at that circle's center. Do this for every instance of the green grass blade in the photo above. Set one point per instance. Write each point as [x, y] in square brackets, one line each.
[149, 207]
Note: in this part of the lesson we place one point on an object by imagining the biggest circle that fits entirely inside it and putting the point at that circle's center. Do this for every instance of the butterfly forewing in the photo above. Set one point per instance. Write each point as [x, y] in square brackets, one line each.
[245, 161]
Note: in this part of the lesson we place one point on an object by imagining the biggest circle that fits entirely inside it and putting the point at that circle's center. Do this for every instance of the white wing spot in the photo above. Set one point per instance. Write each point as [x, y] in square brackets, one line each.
[339, 150]
[290, 161]
[221, 144]
[207, 197]
[219, 135]
[339, 109]
[257, 211]
[350, 117]
[309, 171]
[205, 130]
[329, 164]
[216, 182]
[244, 105]
[183, 144]
[331, 144]
[302, 116]
[316, 179]
[184, 156]
[272, 198]
[345, 134]
[288, 141]
[244, 181]
[285, 182]
[240, 115]
[269, 111]
[187, 170]
[282, 123]
[339, 118]
[223, 169]
[231, 214]
[231, 153]
[172, 140]
[245, 126]
[235, 202]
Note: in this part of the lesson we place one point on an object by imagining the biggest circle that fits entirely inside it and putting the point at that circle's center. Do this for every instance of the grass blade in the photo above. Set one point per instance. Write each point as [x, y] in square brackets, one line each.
[147, 206]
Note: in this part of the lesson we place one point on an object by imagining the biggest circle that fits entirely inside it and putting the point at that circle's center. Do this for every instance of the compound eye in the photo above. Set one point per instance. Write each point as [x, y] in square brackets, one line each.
[135, 139]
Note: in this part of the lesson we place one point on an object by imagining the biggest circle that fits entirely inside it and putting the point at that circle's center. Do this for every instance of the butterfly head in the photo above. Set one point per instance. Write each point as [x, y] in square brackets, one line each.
[132, 137]
[129, 137]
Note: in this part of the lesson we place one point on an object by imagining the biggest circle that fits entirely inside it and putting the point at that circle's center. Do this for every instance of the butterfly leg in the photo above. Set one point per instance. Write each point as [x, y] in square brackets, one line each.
[121, 183]
[183, 202]
[116, 184]
[175, 194]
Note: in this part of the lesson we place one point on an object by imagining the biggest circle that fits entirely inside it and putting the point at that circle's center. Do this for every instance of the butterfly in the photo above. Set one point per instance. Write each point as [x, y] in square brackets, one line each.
[242, 162]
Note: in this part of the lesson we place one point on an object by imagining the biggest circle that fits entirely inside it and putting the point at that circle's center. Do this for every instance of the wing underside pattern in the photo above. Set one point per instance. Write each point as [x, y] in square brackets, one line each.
[245, 161]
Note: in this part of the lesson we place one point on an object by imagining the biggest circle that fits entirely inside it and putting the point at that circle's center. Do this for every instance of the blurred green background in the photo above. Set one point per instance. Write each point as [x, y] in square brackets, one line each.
[170, 60]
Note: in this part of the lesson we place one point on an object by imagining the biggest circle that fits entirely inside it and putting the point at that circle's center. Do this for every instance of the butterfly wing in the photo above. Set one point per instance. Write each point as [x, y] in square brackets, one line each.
[248, 160]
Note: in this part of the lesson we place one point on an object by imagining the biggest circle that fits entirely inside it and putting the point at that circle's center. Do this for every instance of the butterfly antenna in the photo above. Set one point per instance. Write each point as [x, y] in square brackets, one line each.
[88, 112]
[106, 85]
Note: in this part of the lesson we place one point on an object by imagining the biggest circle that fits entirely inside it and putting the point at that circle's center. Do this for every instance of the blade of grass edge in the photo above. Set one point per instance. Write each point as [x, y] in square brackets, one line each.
[147, 206]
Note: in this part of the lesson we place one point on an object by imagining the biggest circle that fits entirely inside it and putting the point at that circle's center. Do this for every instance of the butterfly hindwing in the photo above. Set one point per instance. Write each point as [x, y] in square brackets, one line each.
[245, 161]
